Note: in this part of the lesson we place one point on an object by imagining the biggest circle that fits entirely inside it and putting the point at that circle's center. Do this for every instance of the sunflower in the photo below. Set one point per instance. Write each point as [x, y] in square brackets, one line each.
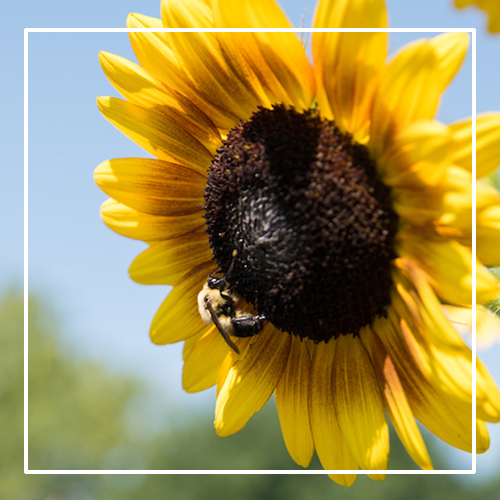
[491, 7]
[318, 213]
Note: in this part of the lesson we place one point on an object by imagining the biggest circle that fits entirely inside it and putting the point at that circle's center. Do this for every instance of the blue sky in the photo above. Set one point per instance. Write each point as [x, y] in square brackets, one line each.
[74, 260]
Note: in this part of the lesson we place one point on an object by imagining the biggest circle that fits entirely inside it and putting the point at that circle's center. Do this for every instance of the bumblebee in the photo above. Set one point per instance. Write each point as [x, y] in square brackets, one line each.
[217, 304]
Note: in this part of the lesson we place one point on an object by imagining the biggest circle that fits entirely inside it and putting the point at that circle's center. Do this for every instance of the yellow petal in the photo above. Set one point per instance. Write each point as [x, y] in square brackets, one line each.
[243, 344]
[153, 51]
[182, 14]
[488, 326]
[331, 446]
[251, 380]
[190, 342]
[436, 348]
[291, 401]
[418, 157]
[178, 317]
[487, 286]
[347, 66]
[407, 92]
[492, 7]
[377, 477]
[488, 330]
[358, 404]
[449, 267]
[343, 479]
[140, 226]
[152, 186]
[416, 302]
[488, 235]
[482, 436]
[212, 76]
[455, 220]
[445, 208]
[275, 65]
[203, 362]
[206, 66]
[140, 87]
[435, 412]
[156, 133]
[154, 54]
[167, 261]
[450, 49]
[395, 400]
[487, 323]
[487, 143]
[451, 374]
[488, 394]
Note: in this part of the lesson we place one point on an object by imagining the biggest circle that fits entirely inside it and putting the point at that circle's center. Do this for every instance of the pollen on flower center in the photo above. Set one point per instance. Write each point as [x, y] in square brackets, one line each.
[295, 210]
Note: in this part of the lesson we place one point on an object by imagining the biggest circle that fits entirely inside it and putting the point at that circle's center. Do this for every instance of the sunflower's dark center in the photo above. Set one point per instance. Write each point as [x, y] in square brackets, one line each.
[298, 210]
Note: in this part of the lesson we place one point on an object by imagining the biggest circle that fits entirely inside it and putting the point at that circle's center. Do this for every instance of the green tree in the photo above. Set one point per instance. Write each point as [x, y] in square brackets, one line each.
[75, 413]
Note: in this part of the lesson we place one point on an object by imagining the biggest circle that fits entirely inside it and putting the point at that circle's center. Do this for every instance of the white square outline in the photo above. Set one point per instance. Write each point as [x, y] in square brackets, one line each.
[248, 30]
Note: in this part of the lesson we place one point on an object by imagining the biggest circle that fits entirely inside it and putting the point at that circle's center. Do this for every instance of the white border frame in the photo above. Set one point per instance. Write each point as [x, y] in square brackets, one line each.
[247, 30]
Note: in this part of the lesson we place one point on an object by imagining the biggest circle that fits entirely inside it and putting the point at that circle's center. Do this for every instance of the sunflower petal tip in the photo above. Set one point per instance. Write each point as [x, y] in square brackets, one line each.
[154, 336]
[131, 16]
[103, 102]
[100, 170]
[104, 58]
[220, 428]
[343, 479]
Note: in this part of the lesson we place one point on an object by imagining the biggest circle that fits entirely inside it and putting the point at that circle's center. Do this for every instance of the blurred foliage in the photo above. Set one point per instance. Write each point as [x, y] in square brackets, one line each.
[83, 417]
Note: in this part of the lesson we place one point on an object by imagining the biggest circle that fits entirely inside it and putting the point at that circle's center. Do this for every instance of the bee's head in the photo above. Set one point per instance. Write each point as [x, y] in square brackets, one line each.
[216, 283]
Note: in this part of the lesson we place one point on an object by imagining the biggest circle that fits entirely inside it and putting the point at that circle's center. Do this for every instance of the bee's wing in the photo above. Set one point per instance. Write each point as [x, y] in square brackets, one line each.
[217, 323]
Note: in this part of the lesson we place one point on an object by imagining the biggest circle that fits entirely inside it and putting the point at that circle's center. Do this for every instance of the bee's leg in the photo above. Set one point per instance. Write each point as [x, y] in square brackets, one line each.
[221, 283]
[217, 323]
[247, 326]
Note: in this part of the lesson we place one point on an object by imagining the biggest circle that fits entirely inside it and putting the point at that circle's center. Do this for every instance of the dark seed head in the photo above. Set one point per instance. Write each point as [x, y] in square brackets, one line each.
[298, 210]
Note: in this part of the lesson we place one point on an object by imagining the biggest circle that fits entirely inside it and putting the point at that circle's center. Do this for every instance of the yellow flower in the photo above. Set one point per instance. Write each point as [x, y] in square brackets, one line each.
[329, 199]
[492, 7]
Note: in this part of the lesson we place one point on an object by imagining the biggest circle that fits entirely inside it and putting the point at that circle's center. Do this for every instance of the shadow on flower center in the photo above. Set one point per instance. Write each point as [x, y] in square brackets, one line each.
[297, 215]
